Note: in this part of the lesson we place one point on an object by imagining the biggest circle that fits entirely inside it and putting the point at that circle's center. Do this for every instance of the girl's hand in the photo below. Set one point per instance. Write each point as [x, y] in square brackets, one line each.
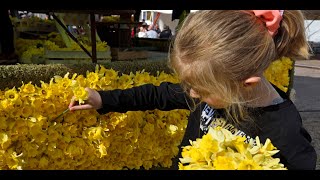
[94, 101]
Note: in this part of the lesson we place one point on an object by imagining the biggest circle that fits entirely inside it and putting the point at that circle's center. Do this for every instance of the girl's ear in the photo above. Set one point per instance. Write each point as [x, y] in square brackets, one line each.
[252, 81]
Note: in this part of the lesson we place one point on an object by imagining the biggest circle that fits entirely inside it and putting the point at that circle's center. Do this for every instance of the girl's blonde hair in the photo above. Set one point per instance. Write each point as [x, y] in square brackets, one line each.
[214, 51]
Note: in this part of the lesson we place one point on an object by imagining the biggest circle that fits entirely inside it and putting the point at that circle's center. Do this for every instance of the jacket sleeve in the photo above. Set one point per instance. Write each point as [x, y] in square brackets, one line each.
[167, 96]
[299, 153]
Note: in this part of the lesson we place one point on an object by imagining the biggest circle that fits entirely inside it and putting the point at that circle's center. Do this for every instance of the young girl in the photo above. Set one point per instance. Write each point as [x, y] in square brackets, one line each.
[220, 57]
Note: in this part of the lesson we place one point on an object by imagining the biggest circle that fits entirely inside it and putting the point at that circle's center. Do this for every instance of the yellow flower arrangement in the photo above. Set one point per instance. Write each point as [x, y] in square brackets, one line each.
[85, 139]
[219, 149]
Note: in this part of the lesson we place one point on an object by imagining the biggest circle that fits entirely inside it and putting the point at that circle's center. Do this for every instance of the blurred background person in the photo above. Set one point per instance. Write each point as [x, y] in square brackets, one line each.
[166, 32]
[152, 34]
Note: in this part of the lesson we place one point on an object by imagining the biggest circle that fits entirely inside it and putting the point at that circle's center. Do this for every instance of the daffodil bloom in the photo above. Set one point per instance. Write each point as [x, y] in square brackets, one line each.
[104, 82]
[94, 133]
[44, 162]
[266, 149]
[143, 78]
[28, 88]
[6, 105]
[90, 120]
[3, 123]
[5, 142]
[111, 73]
[102, 150]
[224, 163]
[80, 94]
[15, 113]
[73, 151]
[81, 80]
[148, 128]
[12, 95]
[71, 118]
[125, 81]
[249, 164]
[45, 92]
[92, 77]
[27, 111]
[172, 129]
[36, 103]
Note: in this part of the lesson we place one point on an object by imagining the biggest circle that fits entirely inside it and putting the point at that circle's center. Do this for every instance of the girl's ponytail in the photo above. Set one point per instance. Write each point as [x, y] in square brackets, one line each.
[291, 41]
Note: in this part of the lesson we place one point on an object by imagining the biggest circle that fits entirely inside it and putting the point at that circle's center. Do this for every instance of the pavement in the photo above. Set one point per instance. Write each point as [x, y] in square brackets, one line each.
[307, 98]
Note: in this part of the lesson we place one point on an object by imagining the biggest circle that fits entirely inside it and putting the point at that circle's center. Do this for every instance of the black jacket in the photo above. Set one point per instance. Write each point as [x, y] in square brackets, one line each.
[280, 123]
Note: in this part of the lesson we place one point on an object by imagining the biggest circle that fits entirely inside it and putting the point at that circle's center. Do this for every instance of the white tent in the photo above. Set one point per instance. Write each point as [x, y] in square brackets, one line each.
[164, 19]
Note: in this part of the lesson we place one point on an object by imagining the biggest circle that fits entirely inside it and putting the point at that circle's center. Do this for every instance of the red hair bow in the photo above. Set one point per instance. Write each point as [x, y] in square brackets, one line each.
[271, 18]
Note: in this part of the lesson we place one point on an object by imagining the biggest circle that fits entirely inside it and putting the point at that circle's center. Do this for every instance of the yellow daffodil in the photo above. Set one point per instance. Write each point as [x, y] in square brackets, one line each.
[44, 162]
[36, 103]
[45, 92]
[81, 80]
[94, 133]
[102, 150]
[249, 164]
[27, 88]
[125, 81]
[224, 163]
[71, 118]
[111, 74]
[266, 149]
[80, 94]
[12, 95]
[92, 77]
[73, 151]
[3, 123]
[148, 128]
[272, 164]
[104, 82]
[18, 103]
[27, 111]
[16, 112]
[90, 120]
[6, 105]
[5, 141]
[172, 129]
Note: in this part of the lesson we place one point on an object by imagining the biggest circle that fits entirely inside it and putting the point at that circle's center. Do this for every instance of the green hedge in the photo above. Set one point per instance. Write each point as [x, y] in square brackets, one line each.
[13, 75]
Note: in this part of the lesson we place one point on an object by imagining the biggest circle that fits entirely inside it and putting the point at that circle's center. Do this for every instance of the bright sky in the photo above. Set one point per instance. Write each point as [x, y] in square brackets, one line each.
[313, 31]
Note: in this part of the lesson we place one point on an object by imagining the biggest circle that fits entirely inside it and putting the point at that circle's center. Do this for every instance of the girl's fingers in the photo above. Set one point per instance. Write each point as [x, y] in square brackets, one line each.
[72, 103]
[81, 107]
